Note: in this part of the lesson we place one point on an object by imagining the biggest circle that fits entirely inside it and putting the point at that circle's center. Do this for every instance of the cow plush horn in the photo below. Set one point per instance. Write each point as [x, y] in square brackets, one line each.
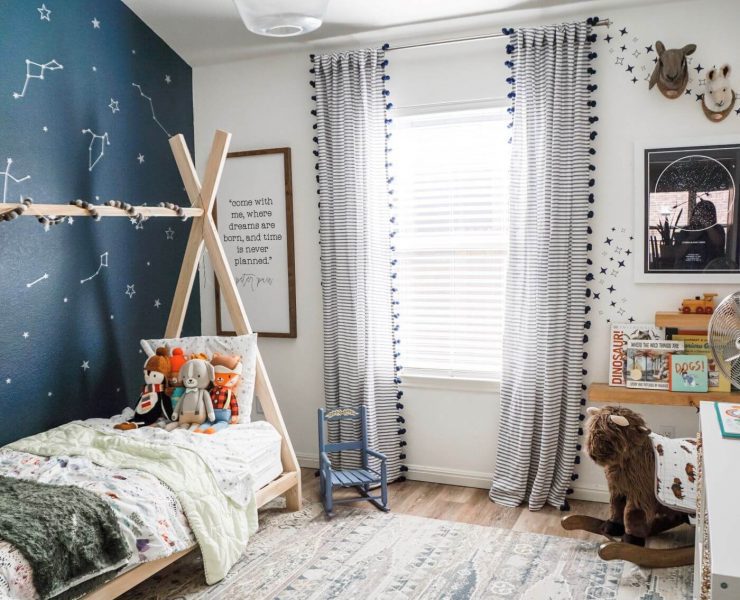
[592, 410]
[619, 420]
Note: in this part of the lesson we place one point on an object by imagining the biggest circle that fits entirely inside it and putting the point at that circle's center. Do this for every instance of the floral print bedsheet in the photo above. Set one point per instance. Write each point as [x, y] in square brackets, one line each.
[151, 518]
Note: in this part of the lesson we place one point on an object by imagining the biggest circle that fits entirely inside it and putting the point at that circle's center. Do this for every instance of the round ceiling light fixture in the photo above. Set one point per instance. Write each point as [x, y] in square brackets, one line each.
[281, 18]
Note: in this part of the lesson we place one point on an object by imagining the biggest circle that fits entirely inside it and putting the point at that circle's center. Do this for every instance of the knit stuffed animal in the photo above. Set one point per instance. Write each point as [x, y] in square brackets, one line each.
[175, 389]
[227, 373]
[153, 400]
[195, 404]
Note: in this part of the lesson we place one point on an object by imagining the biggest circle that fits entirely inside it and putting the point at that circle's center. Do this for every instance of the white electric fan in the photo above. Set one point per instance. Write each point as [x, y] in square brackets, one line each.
[724, 337]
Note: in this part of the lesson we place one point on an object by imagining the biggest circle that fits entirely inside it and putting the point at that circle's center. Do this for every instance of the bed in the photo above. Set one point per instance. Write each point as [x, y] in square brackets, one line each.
[170, 492]
[149, 512]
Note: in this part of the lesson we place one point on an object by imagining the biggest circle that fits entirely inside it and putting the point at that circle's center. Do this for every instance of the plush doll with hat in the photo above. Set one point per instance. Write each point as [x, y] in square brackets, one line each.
[227, 373]
[153, 400]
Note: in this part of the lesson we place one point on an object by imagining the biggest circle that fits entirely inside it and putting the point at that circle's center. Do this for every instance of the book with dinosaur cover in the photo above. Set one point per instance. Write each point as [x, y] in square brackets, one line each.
[697, 344]
[647, 363]
[688, 373]
[621, 333]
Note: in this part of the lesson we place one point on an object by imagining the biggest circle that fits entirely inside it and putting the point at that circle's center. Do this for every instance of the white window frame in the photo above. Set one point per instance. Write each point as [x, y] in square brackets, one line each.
[440, 381]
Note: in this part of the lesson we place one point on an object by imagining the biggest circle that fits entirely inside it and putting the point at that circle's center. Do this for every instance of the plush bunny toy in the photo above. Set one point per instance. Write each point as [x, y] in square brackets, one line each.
[195, 404]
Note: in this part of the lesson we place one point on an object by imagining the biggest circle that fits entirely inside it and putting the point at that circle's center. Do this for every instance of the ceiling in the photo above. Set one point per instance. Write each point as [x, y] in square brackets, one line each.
[210, 31]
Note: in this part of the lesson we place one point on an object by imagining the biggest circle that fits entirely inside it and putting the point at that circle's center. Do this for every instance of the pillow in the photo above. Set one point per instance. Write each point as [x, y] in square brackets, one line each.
[243, 345]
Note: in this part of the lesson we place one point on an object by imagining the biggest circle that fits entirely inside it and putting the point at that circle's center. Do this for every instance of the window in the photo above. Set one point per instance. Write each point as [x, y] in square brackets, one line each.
[451, 172]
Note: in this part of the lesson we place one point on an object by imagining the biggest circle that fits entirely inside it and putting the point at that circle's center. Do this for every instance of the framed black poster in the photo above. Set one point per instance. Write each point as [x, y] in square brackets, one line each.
[687, 228]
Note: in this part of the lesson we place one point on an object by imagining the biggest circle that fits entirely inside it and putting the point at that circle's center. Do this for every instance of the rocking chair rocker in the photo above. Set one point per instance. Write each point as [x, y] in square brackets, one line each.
[360, 479]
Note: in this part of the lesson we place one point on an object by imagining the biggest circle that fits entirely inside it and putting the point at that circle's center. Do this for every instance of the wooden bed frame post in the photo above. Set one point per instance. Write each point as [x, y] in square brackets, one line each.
[204, 232]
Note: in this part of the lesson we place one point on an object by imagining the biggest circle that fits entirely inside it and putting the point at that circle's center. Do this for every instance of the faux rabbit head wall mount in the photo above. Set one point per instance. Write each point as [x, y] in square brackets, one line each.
[671, 72]
[718, 99]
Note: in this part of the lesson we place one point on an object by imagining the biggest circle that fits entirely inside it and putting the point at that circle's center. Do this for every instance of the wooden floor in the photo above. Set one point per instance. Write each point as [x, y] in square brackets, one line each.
[466, 505]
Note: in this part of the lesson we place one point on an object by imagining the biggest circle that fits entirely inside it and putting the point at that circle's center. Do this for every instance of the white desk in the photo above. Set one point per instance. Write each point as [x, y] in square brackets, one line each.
[721, 488]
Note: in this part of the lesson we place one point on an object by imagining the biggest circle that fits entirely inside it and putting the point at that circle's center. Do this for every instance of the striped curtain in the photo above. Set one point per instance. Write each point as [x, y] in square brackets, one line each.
[547, 267]
[355, 233]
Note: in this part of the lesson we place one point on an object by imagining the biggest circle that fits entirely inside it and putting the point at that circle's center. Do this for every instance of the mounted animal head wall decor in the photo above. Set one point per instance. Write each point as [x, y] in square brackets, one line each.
[671, 71]
[719, 98]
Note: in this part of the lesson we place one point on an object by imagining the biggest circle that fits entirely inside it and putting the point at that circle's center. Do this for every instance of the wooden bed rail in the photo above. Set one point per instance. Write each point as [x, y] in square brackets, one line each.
[70, 210]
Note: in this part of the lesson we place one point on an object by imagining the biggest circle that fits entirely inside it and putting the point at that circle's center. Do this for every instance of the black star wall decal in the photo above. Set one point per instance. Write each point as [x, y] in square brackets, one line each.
[603, 270]
[611, 289]
[628, 252]
[623, 31]
[629, 68]
[608, 38]
[623, 48]
[648, 49]
[597, 295]
[634, 80]
[699, 68]
[608, 241]
[631, 319]
[620, 263]
[699, 97]
[612, 303]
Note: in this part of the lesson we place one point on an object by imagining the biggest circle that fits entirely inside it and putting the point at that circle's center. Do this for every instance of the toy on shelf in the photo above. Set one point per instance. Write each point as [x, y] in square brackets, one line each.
[652, 487]
[700, 306]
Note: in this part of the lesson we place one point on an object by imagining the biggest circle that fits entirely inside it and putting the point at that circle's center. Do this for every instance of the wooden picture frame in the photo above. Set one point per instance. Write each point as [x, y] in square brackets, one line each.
[289, 275]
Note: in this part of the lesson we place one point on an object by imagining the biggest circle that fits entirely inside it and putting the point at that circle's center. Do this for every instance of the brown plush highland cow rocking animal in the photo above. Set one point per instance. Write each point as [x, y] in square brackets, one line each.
[618, 440]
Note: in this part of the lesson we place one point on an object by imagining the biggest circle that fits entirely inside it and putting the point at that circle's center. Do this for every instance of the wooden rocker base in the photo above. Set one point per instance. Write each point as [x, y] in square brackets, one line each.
[649, 558]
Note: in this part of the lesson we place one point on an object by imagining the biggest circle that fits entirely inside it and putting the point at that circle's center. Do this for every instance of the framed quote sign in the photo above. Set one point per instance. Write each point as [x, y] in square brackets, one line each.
[254, 216]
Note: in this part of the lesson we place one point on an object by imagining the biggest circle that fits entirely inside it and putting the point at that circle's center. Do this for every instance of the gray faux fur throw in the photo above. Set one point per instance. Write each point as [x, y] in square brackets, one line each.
[70, 536]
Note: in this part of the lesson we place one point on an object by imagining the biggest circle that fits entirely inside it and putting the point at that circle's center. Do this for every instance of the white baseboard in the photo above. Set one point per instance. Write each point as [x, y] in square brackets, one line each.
[475, 479]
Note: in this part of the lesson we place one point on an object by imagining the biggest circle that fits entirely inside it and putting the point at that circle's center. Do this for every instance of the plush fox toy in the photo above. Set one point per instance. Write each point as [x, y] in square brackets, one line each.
[227, 373]
[153, 400]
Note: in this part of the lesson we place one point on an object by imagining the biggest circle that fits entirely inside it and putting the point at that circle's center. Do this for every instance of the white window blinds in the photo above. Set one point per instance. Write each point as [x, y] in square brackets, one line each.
[451, 172]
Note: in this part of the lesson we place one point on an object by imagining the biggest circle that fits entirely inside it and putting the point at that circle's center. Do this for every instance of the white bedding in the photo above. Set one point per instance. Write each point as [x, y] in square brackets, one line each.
[151, 517]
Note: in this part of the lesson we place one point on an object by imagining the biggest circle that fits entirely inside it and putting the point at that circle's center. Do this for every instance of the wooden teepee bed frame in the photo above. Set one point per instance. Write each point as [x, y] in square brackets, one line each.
[203, 232]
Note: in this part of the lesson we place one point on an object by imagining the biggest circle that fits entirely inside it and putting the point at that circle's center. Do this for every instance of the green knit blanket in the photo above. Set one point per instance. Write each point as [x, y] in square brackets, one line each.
[70, 536]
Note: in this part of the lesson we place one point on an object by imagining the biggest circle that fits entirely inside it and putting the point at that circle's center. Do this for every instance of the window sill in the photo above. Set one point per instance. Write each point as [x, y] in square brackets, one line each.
[449, 383]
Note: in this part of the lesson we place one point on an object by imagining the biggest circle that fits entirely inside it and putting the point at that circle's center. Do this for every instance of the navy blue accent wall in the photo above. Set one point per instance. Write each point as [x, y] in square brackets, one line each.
[76, 299]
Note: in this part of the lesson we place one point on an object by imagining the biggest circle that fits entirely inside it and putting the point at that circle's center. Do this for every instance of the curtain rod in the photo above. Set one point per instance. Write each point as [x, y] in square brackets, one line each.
[487, 36]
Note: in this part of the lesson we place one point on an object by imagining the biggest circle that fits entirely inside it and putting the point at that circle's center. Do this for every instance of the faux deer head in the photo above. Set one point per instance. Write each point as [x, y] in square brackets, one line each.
[671, 71]
[719, 98]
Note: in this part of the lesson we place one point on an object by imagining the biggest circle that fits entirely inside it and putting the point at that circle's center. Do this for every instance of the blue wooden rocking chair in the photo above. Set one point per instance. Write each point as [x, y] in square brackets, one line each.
[361, 479]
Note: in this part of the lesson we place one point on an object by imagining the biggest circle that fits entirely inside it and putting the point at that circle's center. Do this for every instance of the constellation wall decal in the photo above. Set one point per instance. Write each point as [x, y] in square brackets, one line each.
[40, 69]
[103, 265]
[35, 281]
[6, 176]
[104, 141]
[151, 105]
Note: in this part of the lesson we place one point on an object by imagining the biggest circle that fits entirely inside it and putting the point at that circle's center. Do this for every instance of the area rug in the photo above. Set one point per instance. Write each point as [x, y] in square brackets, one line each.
[365, 554]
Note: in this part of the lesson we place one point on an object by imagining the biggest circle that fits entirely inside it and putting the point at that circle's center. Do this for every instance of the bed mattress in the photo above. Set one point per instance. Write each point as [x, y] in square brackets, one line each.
[149, 513]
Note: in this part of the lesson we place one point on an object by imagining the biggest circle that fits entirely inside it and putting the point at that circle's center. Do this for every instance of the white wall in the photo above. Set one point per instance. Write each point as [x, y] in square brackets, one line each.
[452, 433]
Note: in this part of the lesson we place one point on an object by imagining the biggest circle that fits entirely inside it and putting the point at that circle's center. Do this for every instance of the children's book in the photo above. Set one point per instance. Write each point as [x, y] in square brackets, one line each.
[647, 363]
[697, 344]
[729, 419]
[621, 333]
[688, 373]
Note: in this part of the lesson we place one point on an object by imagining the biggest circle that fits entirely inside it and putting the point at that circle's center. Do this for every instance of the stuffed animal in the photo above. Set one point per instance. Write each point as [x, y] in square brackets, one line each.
[671, 72]
[719, 98]
[618, 440]
[175, 389]
[153, 400]
[228, 371]
[195, 404]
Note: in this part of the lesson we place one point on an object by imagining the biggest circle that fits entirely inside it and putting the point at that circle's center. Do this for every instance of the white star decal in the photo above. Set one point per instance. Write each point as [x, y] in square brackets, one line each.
[130, 291]
[167, 79]
[95, 23]
[169, 232]
[157, 303]
[140, 158]
[94, 68]
[70, 220]
[8, 381]
[44, 13]
[25, 335]
[85, 365]
[148, 264]
[114, 106]
[111, 317]
[66, 300]
[50, 394]
[44, 129]
[133, 51]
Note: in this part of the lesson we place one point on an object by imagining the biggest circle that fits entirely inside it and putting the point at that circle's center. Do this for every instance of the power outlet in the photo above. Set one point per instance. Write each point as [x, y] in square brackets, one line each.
[668, 431]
